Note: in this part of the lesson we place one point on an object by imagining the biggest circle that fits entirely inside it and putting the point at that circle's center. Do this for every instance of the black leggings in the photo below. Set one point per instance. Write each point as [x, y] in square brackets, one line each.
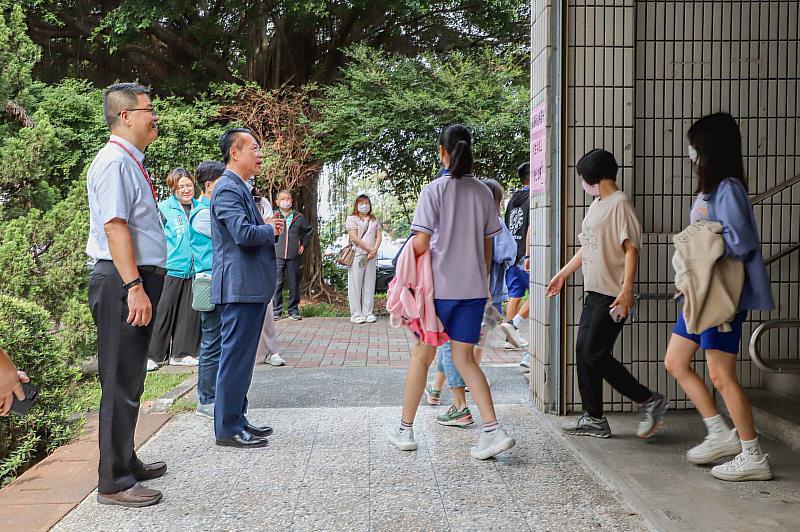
[594, 355]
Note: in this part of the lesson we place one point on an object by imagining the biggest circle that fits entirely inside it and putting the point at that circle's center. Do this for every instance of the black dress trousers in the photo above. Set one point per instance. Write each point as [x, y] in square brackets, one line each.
[122, 364]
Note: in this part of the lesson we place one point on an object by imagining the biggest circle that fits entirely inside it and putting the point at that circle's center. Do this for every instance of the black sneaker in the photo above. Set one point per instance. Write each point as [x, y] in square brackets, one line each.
[586, 425]
[652, 416]
[295, 317]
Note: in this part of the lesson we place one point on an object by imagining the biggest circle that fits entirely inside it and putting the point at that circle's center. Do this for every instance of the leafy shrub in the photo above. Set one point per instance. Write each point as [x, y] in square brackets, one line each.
[25, 332]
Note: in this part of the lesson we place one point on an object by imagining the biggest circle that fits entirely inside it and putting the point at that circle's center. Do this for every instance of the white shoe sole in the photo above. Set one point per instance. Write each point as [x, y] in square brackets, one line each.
[460, 424]
[494, 450]
[759, 474]
[186, 363]
[731, 450]
[603, 435]
[403, 446]
[277, 364]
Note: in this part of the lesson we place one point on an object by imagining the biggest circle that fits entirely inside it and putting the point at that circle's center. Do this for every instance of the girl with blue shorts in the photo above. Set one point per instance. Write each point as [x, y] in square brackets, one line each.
[456, 220]
[715, 149]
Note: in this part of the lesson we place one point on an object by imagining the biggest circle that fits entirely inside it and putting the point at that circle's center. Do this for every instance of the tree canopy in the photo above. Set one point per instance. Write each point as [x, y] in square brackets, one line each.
[182, 45]
[385, 113]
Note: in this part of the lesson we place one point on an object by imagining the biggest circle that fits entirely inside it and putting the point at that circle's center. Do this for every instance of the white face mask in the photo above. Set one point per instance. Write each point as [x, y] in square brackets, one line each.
[285, 205]
[363, 208]
[592, 190]
[693, 155]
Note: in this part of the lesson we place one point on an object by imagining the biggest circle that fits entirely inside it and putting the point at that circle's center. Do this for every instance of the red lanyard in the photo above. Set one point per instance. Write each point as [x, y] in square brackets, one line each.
[144, 172]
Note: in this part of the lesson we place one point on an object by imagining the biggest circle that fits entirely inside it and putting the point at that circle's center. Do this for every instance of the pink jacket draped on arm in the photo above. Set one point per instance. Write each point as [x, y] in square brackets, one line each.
[410, 297]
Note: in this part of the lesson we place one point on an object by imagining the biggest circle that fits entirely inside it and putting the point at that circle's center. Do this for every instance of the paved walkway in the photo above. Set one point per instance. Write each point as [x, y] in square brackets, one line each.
[335, 342]
[330, 467]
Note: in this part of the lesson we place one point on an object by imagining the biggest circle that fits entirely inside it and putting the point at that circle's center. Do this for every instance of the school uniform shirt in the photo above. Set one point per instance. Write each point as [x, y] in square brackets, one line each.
[369, 225]
[608, 223]
[459, 214]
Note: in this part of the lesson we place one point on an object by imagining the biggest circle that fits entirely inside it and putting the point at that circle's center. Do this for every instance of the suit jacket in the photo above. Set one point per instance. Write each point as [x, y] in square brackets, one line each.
[243, 264]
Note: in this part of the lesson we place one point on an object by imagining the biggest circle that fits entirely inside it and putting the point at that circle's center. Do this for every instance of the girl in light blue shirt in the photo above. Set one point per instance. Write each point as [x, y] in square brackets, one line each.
[715, 149]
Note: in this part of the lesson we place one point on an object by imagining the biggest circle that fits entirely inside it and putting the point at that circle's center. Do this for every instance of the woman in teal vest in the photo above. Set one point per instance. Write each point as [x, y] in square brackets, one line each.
[176, 333]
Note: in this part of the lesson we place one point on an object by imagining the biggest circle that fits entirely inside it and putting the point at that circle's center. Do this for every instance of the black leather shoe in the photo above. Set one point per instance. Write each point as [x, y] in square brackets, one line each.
[243, 440]
[150, 471]
[261, 432]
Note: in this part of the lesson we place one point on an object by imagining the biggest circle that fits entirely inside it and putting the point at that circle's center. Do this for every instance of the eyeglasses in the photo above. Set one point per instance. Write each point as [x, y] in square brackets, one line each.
[185, 187]
[148, 109]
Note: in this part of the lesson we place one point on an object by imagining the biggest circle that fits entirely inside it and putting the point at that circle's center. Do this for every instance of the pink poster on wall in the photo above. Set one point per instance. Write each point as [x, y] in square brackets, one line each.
[538, 148]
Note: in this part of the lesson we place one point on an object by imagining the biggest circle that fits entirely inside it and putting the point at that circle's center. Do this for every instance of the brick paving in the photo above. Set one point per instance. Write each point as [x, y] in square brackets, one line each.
[335, 342]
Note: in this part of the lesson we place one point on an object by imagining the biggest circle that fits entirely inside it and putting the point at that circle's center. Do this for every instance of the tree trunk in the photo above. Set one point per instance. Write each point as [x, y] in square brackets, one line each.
[313, 281]
[19, 114]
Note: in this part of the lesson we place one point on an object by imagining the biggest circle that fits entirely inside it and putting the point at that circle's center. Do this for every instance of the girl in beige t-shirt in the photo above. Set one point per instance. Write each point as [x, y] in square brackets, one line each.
[610, 241]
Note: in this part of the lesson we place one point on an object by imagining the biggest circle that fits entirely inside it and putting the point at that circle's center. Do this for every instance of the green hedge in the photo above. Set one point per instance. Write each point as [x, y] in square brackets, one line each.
[25, 332]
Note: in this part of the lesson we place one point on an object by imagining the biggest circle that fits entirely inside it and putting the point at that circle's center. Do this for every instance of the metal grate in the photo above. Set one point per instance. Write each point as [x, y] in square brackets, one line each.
[678, 61]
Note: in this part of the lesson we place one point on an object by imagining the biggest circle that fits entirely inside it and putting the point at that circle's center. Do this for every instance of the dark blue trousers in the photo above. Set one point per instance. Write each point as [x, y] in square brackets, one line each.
[210, 349]
[241, 329]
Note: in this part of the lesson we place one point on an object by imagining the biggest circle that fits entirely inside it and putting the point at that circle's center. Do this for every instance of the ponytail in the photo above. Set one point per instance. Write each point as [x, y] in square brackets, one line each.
[457, 141]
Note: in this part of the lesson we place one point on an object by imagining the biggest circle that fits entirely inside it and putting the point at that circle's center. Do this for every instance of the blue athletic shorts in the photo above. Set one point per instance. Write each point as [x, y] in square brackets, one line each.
[517, 281]
[713, 339]
[461, 318]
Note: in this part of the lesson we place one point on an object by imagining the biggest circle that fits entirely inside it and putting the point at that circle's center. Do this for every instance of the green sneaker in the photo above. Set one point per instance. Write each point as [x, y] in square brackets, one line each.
[434, 396]
[456, 418]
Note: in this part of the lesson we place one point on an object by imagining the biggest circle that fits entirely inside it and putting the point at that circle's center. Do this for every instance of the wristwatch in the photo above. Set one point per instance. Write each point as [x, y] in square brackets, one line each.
[133, 283]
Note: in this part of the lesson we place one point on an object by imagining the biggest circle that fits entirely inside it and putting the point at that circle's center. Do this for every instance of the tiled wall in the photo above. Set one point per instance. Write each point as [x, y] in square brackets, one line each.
[600, 115]
[639, 74]
[542, 353]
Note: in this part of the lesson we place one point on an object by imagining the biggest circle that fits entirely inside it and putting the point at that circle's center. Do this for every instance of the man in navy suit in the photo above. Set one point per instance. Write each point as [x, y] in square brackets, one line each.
[243, 281]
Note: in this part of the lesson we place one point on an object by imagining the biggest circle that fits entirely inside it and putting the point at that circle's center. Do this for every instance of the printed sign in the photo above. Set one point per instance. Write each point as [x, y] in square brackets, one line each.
[538, 148]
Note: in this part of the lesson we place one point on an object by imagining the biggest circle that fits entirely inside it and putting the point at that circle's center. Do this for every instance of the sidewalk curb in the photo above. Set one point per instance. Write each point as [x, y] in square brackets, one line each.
[653, 518]
[165, 402]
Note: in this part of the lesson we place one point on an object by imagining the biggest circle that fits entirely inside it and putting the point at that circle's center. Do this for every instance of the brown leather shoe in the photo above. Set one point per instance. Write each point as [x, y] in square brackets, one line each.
[137, 496]
[150, 471]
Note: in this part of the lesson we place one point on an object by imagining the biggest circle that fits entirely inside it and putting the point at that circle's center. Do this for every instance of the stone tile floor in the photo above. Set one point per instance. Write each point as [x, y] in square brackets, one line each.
[332, 469]
[332, 342]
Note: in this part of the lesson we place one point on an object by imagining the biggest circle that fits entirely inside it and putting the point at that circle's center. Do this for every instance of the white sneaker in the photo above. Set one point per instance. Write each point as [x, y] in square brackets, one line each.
[357, 319]
[185, 361]
[275, 360]
[371, 318]
[526, 361]
[714, 447]
[151, 365]
[403, 440]
[508, 345]
[492, 443]
[205, 410]
[743, 467]
[512, 335]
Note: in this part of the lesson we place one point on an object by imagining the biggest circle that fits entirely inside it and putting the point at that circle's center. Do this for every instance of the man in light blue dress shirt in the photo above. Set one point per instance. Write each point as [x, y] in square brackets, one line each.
[126, 241]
